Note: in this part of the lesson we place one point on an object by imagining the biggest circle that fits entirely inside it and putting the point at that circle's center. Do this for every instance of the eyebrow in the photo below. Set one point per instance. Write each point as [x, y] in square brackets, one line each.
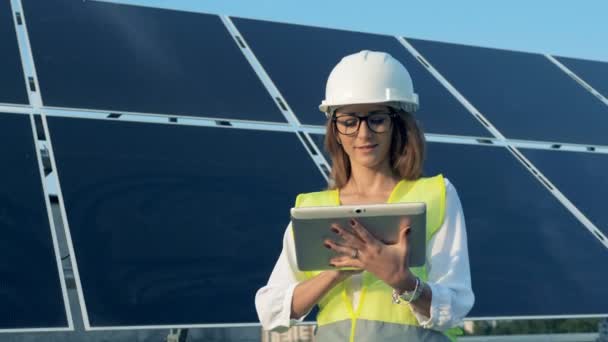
[369, 113]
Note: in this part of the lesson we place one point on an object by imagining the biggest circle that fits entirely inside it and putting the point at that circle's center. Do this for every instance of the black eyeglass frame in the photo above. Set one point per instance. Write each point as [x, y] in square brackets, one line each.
[391, 113]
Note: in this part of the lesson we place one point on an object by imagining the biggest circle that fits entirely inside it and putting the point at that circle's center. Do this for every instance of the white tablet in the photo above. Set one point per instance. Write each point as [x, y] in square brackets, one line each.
[311, 226]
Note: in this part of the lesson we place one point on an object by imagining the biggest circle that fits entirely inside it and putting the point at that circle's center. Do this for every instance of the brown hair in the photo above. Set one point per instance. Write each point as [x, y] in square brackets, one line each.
[407, 150]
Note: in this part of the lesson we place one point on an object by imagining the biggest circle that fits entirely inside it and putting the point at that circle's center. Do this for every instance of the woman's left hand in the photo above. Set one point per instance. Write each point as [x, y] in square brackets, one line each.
[360, 249]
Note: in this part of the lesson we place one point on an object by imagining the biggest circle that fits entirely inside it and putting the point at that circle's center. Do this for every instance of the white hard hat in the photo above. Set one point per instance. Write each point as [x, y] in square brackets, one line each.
[369, 77]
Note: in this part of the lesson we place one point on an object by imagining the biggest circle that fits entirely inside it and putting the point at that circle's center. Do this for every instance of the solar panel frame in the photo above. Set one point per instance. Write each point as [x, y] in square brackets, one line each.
[13, 81]
[274, 92]
[264, 49]
[578, 176]
[594, 73]
[476, 64]
[62, 287]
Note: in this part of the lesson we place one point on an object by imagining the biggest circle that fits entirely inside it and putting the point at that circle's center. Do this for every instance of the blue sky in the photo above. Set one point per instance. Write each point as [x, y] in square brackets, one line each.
[559, 27]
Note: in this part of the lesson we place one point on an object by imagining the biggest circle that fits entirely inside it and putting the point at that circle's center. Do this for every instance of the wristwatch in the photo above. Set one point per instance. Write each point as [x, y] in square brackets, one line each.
[409, 296]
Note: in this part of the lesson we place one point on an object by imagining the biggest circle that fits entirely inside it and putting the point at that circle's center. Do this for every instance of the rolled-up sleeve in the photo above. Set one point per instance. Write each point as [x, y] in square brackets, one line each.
[273, 301]
[449, 275]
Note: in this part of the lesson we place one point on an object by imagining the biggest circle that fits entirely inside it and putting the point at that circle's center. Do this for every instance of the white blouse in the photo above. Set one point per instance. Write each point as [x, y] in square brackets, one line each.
[448, 272]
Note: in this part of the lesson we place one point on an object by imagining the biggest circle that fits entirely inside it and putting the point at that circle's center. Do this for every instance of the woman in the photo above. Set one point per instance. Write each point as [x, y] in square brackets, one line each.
[377, 152]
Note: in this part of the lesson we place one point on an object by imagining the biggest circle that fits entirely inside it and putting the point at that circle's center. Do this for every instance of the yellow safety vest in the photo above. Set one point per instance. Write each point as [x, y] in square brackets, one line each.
[377, 318]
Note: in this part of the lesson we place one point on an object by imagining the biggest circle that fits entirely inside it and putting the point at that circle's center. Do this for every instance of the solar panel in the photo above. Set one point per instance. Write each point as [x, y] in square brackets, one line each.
[545, 235]
[307, 55]
[176, 224]
[529, 256]
[581, 177]
[31, 295]
[595, 73]
[12, 82]
[114, 57]
[524, 95]
[319, 140]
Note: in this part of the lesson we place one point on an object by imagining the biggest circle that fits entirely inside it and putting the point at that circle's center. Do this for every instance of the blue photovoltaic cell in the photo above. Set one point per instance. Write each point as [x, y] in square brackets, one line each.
[125, 58]
[300, 58]
[176, 224]
[30, 289]
[581, 177]
[12, 80]
[595, 73]
[524, 95]
[529, 255]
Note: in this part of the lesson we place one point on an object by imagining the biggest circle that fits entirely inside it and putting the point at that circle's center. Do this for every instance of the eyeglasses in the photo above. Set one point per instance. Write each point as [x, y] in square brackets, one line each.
[377, 122]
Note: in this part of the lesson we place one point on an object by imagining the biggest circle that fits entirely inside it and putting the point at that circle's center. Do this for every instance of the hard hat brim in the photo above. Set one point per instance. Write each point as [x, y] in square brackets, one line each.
[408, 106]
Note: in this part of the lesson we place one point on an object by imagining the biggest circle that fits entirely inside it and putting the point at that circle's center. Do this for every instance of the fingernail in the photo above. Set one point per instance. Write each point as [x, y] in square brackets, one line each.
[335, 230]
[352, 222]
[327, 246]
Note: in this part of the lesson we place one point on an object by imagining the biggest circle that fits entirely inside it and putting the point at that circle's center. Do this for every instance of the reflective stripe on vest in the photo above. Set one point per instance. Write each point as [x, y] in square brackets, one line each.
[376, 310]
[376, 331]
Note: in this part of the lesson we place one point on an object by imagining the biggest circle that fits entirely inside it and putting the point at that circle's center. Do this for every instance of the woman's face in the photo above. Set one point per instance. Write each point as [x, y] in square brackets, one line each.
[365, 147]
